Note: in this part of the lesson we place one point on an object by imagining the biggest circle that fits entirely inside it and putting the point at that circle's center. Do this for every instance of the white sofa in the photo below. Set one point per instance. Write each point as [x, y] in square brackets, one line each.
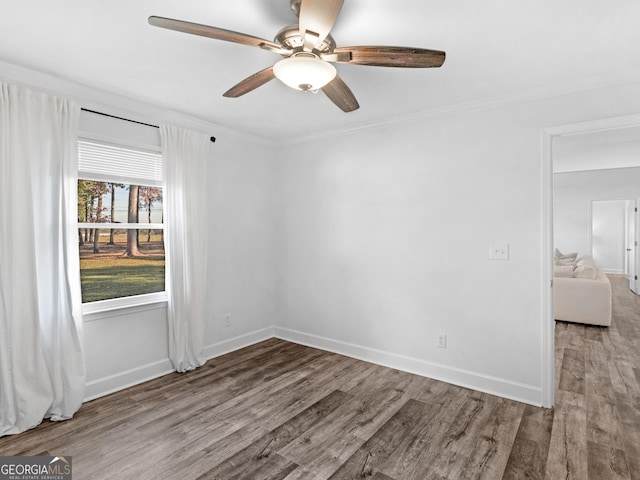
[582, 293]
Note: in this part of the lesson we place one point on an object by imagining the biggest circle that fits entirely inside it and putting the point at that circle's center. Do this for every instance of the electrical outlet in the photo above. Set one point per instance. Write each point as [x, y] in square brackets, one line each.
[227, 320]
[442, 340]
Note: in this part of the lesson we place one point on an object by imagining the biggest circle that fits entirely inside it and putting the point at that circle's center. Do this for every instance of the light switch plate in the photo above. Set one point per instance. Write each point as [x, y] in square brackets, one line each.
[499, 251]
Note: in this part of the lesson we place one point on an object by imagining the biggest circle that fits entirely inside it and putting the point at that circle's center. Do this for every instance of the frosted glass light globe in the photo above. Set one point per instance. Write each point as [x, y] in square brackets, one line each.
[304, 71]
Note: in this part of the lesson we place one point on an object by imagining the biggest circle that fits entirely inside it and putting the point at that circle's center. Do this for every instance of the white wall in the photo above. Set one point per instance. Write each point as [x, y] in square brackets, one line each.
[125, 348]
[387, 235]
[573, 194]
[245, 240]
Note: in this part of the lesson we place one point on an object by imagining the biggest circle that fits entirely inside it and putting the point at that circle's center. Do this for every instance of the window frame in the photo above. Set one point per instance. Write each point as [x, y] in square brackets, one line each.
[129, 304]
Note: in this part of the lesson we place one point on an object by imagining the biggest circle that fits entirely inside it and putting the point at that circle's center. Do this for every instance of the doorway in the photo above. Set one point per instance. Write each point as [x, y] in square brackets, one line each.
[550, 139]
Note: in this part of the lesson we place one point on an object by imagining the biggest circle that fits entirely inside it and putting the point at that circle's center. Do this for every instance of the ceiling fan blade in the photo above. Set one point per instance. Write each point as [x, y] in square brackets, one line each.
[341, 95]
[215, 32]
[389, 56]
[250, 83]
[317, 18]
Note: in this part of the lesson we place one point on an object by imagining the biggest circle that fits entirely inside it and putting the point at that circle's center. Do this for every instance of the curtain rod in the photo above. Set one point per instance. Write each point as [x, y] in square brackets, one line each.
[213, 139]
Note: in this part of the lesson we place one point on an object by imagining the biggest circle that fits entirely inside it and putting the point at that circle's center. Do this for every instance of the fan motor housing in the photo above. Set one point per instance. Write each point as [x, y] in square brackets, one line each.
[290, 39]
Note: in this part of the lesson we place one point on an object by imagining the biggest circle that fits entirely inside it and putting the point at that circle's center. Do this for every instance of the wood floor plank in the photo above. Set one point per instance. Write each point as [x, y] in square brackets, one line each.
[603, 423]
[572, 372]
[523, 460]
[379, 448]
[488, 457]
[406, 383]
[381, 476]
[570, 335]
[424, 446]
[199, 458]
[250, 461]
[467, 421]
[629, 412]
[607, 463]
[330, 443]
[594, 334]
[562, 335]
[528, 457]
[616, 376]
[568, 445]
[474, 444]
[273, 467]
[626, 373]
[595, 359]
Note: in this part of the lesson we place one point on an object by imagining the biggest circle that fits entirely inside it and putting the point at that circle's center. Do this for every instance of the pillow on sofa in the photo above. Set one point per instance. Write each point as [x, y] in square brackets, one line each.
[563, 271]
[585, 260]
[586, 271]
[571, 262]
[558, 254]
[564, 259]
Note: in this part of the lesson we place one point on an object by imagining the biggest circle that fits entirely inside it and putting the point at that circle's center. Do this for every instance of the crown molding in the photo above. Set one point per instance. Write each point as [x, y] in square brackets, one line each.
[501, 101]
[119, 105]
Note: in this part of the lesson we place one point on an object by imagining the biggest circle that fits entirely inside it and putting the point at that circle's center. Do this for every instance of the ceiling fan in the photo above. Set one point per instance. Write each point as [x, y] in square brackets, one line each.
[308, 48]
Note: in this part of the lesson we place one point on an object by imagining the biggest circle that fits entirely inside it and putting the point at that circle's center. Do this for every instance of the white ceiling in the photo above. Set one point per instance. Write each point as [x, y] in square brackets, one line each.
[494, 47]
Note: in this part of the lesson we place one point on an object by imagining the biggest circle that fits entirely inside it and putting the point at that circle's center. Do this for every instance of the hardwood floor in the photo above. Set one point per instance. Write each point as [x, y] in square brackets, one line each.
[278, 410]
[596, 428]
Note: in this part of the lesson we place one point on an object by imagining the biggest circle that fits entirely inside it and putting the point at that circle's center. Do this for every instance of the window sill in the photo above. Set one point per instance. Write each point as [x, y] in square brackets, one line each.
[123, 306]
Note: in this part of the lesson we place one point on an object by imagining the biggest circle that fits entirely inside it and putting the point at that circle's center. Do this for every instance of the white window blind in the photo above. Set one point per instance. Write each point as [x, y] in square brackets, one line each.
[105, 162]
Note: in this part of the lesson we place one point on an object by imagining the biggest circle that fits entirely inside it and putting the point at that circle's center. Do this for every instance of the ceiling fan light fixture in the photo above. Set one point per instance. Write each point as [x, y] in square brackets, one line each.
[304, 71]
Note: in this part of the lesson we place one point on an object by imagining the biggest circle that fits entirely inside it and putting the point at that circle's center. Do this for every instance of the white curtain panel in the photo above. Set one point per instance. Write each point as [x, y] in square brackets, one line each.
[185, 157]
[41, 359]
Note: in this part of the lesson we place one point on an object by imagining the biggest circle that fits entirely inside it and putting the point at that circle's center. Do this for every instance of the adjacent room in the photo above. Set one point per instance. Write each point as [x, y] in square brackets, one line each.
[596, 178]
[306, 239]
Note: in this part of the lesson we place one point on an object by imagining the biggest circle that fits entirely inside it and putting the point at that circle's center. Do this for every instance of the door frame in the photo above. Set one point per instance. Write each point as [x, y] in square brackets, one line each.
[548, 322]
[631, 240]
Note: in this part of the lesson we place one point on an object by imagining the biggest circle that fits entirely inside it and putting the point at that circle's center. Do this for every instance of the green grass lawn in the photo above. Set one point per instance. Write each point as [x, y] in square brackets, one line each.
[110, 274]
[104, 278]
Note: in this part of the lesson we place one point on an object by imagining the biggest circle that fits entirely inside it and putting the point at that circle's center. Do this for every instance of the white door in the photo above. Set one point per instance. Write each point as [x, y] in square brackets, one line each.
[608, 239]
[631, 258]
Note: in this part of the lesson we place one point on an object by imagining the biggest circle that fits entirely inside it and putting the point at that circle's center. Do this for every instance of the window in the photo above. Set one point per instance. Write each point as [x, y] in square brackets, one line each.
[120, 225]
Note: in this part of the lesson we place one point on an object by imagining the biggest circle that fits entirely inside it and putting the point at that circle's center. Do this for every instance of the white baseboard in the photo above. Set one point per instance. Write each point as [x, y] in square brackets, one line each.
[614, 271]
[495, 386]
[119, 381]
[236, 343]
